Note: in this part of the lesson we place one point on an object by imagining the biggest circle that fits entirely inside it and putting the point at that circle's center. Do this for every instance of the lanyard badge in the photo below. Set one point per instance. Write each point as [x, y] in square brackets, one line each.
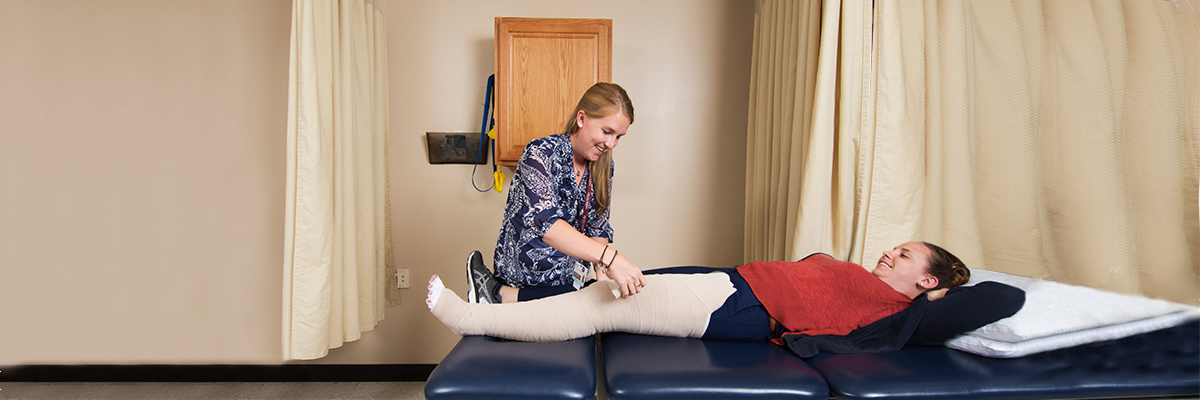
[581, 271]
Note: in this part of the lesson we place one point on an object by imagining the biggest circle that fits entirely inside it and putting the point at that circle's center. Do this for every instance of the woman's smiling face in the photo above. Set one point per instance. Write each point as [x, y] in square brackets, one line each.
[597, 135]
[905, 268]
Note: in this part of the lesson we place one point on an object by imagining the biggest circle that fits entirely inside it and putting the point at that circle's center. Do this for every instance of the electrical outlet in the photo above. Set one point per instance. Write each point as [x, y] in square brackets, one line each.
[402, 278]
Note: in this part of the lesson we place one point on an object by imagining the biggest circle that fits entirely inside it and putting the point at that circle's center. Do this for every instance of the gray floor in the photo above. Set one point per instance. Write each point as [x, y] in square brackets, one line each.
[216, 390]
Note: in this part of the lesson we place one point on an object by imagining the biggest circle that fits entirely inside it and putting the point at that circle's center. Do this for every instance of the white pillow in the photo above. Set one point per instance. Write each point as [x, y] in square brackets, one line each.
[1057, 315]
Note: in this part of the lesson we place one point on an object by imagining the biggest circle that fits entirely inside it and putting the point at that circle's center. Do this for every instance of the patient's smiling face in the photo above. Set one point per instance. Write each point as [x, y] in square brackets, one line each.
[905, 268]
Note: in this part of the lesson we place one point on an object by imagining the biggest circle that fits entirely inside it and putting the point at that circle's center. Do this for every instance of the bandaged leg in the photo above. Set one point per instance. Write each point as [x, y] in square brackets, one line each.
[670, 305]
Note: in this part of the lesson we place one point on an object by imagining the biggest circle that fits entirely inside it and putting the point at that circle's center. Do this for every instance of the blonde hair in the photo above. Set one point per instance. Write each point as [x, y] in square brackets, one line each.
[601, 100]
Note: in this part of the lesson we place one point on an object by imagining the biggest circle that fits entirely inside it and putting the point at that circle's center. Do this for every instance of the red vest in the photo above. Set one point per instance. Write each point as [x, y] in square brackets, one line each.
[820, 295]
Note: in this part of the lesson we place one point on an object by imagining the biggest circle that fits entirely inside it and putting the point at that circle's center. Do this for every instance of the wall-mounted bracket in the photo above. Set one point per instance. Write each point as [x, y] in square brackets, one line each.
[455, 148]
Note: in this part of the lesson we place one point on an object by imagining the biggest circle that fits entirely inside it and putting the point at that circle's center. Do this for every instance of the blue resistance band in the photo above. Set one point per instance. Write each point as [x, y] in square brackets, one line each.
[484, 138]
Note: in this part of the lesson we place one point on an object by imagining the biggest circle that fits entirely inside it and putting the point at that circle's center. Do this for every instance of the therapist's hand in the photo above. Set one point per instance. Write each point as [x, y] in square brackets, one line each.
[600, 275]
[628, 276]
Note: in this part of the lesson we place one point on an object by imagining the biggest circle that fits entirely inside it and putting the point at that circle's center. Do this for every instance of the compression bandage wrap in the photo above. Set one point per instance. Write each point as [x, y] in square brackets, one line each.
[676, 305]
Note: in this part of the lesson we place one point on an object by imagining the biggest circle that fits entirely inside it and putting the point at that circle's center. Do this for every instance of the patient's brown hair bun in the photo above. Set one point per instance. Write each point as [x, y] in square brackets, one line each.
[949, 270]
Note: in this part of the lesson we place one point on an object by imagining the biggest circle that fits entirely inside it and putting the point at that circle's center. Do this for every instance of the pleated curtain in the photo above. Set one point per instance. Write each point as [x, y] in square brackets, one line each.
[1051, 139]
[809, 118]
[338, 273]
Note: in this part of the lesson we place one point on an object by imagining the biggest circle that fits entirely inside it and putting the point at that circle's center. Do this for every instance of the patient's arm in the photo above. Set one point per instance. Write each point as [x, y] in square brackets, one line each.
[672, 305]
[964, 309]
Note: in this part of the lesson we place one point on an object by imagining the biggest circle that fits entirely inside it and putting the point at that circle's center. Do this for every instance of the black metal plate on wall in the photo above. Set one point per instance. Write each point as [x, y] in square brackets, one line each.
[455, 148]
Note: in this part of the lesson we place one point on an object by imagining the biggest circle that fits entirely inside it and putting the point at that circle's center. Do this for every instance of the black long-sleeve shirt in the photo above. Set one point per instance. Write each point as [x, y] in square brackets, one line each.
[962, 309]
[965, 309]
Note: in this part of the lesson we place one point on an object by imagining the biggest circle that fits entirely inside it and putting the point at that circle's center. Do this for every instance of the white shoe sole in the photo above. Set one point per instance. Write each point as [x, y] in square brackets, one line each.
[471, 296]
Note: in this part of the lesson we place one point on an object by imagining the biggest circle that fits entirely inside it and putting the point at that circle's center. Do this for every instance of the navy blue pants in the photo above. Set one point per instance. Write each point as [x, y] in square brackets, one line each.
[537, 292]
[741, 319]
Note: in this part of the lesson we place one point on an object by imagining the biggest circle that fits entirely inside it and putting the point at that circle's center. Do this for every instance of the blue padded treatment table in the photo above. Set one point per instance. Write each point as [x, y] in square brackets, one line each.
[1164, 363]
[482, 367]
[652, 367]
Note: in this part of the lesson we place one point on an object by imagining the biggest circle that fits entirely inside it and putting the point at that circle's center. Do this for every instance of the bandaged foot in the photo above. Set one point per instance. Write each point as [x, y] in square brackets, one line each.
[435, 291]
[676, 305]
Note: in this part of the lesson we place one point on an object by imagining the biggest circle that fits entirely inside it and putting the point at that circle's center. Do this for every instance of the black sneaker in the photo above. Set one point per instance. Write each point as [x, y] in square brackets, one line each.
[481, 283]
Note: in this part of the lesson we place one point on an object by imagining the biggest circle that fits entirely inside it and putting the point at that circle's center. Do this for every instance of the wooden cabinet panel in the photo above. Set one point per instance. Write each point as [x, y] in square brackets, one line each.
[543, 66]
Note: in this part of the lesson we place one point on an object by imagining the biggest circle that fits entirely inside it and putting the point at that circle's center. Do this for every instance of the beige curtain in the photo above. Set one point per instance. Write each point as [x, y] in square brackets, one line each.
[1053, 139]
[807, 120]
[338, 274]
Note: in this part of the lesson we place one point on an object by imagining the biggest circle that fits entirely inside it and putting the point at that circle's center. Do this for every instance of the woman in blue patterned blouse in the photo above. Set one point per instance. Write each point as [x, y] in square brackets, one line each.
[556, 220]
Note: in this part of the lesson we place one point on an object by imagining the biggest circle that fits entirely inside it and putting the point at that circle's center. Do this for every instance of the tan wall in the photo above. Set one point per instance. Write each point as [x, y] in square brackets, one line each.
[679, 186]
[141, 180]
[142, 151]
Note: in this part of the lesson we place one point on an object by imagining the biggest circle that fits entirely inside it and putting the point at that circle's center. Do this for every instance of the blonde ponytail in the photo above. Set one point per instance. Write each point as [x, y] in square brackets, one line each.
[601, 100]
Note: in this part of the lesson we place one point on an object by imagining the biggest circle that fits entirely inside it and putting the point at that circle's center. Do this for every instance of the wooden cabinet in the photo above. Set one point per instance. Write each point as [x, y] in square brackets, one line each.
[543, 66]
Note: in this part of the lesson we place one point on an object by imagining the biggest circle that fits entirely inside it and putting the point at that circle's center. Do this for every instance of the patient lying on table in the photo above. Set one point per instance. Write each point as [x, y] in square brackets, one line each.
[913, 296]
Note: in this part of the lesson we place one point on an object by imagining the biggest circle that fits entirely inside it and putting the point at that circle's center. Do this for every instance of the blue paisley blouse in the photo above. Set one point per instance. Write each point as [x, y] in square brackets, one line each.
[543, 191]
